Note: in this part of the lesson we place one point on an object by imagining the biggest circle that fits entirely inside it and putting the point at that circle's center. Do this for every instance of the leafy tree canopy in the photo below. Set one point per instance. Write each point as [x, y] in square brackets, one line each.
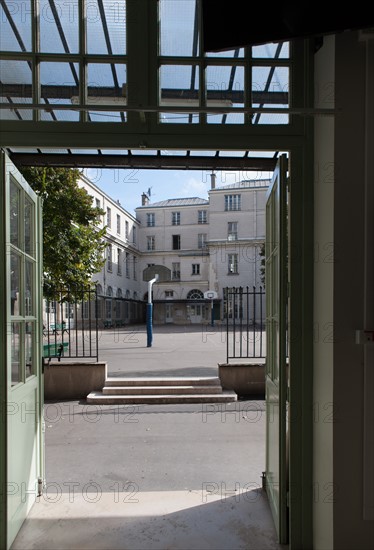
[73, 242]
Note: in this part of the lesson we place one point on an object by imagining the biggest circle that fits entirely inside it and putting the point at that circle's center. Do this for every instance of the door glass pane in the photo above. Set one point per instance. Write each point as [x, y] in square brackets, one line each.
[15, 267]
[15, 359]
[29, 358]
[29, 227]
[29, 298]
[14, 213]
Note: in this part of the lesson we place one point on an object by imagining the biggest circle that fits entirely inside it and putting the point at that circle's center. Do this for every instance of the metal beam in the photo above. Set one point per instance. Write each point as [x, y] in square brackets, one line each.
[165, 162]
[67, 92]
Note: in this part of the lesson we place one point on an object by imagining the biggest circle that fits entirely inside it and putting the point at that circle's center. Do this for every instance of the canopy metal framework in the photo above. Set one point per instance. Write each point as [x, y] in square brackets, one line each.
[133, 76]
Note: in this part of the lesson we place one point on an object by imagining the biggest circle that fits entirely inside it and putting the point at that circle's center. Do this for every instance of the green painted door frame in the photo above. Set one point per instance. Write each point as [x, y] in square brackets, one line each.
[21, 338]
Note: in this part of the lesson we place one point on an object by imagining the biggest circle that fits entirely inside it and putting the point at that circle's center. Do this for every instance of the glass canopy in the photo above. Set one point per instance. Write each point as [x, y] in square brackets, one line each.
[133, 64]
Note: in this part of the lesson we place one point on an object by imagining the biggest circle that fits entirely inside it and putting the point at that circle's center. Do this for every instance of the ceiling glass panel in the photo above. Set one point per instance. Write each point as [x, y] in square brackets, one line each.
[269, 51]
[203, 153]
[231, 53]
[59, 26]
[272, 118]
[177, 28]
[15, 72]
[106, 27]
[16, 15]
[59, 82]
[179, 118]
[106, 83]
[179, 85]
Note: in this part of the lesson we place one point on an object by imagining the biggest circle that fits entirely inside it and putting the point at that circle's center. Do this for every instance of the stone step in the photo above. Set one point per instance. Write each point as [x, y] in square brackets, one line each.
[163, 381]
[156, 390]
[99, 398]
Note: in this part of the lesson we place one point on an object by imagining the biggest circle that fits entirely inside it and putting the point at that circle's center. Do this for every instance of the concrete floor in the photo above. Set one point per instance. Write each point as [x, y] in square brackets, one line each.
[154, 476]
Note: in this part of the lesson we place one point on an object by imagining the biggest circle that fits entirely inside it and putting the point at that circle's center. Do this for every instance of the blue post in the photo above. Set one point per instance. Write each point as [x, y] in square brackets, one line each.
[149, 325]
[149, 311]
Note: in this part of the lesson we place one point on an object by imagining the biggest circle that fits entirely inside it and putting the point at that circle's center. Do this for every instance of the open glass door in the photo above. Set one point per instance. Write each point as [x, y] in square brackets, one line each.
[20, 301]
[276, 374]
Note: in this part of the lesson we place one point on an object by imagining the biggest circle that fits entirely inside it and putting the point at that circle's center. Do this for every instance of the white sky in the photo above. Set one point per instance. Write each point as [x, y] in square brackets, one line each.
[128, 185]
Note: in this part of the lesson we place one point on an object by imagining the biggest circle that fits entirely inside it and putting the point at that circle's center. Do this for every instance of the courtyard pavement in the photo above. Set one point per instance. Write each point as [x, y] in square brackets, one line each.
[157, 477]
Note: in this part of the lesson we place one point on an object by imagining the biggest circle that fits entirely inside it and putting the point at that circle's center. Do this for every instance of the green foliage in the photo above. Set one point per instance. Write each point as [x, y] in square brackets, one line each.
[73, 242]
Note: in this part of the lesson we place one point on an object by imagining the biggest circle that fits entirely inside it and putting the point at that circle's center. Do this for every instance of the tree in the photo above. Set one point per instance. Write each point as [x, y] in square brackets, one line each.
[73, 243]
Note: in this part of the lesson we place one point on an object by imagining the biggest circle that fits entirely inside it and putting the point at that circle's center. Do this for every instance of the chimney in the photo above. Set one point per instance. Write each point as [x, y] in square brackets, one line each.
[145, 199]
[212, 180]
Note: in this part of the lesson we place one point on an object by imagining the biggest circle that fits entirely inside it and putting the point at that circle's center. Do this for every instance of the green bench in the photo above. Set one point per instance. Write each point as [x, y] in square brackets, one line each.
[55, 350]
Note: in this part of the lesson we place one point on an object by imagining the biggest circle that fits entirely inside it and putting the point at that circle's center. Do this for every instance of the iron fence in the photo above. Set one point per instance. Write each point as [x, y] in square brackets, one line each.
[70, 324]
[244, 311]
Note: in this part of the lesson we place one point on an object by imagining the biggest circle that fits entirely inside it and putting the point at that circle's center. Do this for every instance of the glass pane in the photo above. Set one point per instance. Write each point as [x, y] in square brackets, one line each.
[29, 341]
[270, 90]
[29, 227]
[106, 27]
[239, 52]
[272, 50]
[59, 82]
[179, 85]
[14, 212]
[59, 23]
[16, 87]
[225, 88]
[29, 288]
[15, 275]
[107, 86]
[18, 13]
[178, 30]
[15, 355]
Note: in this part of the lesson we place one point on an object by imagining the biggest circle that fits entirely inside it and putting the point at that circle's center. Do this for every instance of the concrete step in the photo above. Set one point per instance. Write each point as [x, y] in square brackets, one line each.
[100, 399]
[164, 390]
[163, 381]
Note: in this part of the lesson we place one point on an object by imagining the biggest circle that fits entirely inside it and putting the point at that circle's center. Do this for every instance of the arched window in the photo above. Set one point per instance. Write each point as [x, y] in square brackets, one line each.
[127, 294]
[109, 291]
[135, 295]
[195, 294]
[99, 289]
[119, 293]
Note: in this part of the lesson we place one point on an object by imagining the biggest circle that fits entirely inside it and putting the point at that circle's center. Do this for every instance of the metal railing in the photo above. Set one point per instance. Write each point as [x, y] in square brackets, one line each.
[244, 312]
[70, 324]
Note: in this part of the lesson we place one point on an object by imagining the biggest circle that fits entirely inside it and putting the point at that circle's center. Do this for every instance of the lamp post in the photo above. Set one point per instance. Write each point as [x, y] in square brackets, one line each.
[150, 311]
[210, 295]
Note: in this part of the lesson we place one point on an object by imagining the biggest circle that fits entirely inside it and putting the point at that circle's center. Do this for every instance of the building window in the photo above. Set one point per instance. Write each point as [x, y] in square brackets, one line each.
[98, 205]
[176, 271]
[151, 220]
[86, 310]
[169, 294]
[134, 235]
[232, 264]
[232, 231]
[109, 217]
[119, 261]
[195, 269]
[176, 242]
[134, 268]
[195, 294]
[175, 218]
[151, 242]
[127, 265]
[126, 229]
[108, 309]
[109, 257]
[201, 240]
[232, 202]
[202, 217]
[118, 224]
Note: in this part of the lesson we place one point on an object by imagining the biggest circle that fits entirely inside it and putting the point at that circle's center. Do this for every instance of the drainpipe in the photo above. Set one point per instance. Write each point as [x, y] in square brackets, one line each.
[149, 311]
